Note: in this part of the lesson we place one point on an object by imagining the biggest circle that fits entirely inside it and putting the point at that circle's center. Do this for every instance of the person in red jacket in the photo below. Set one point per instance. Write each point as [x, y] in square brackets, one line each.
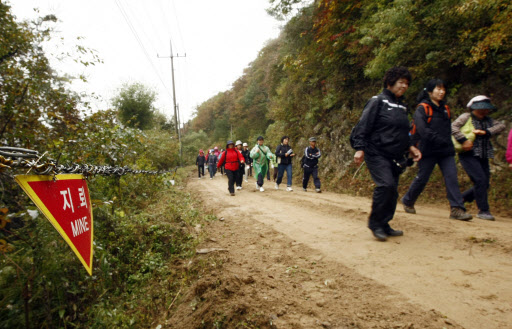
[231, 159]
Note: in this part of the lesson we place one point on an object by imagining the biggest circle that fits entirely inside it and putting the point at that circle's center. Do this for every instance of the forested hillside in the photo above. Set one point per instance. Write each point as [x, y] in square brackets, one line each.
[315, 78]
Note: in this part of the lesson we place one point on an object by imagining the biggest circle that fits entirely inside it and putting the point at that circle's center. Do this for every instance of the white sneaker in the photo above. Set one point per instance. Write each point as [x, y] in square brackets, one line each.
[257, 187]
[289, 189]
[262, 189]
[277, 186]
[211, 177]
[318, 190]
[238, 187]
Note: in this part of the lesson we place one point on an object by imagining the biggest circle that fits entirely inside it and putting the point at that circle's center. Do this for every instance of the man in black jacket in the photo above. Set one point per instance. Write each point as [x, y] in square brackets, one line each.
[381, 138]
[284, 154]
[311, 156]
[200, 161]
[248, 161]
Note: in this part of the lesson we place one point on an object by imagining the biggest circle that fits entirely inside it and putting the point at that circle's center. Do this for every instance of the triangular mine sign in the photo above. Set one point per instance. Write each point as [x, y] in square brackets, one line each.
[65, 202]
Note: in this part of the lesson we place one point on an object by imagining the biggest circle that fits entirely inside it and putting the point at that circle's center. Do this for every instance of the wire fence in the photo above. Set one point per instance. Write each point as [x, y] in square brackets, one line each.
[20, 158]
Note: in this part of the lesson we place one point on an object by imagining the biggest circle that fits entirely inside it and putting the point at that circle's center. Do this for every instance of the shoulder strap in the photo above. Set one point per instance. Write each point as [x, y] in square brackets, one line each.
[448, 111]
[428, 111]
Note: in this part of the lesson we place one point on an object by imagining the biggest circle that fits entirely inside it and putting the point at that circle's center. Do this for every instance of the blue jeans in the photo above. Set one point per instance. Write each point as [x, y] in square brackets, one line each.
[449, 170]
[212, 169]
[280, 173]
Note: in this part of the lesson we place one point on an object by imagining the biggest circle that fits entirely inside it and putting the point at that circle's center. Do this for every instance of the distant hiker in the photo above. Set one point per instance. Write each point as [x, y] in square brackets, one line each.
[231, 159]
[248, 161]
[475, 155]
[381, 138]
[311, 156]
[200, 161]
[509, 149]
[241, 169]
[261, 155]
[212, 164]
[221, 167]
[432, 134]
[284, 154]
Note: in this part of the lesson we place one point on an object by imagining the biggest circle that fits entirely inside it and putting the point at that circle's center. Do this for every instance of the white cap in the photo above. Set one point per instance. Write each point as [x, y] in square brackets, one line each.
[238, 142]
[245, 144]
[477, 99]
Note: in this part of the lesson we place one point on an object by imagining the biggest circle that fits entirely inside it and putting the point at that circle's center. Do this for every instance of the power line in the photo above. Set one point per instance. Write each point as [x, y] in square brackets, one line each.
[139, 41]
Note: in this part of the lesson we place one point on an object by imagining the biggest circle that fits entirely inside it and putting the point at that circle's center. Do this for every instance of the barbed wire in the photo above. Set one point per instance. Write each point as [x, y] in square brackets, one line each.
[21, 158]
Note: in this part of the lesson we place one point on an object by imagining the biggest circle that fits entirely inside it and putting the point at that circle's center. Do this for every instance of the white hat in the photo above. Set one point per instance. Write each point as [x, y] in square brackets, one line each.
[245, 144]
[238, 142]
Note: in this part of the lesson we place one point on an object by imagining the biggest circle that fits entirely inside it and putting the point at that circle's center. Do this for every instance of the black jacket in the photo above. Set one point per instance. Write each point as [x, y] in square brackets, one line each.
[281, 153]
[434, 138]
[383, 128]
[212, 160]
[200, 160]
[311, 156]
[247, 156]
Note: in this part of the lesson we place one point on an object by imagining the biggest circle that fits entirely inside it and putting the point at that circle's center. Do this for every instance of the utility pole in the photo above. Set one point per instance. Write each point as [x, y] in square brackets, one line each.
[176, 121]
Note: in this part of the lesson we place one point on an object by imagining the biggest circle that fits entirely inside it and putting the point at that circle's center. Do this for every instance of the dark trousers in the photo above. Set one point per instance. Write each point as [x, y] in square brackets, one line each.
[281, 168]
[449, 170]
[200, 170]
[240, 175]
[222, 170]
[307, 173]
[385, 194]
[260, 180]
[478, 171]
[212, 169]
[232, 177]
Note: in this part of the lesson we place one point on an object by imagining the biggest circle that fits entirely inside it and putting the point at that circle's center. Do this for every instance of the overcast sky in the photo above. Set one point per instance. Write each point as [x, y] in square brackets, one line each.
[220, 38]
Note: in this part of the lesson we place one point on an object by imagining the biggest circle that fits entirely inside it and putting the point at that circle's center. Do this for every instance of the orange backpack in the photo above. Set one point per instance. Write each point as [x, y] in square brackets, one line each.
[429, 113]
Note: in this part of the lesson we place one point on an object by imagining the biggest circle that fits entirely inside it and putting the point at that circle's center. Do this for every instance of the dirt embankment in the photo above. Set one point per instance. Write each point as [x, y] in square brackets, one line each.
[307, 260]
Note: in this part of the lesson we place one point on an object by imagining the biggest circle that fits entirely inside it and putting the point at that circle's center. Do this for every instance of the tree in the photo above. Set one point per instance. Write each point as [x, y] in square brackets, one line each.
[135, 105]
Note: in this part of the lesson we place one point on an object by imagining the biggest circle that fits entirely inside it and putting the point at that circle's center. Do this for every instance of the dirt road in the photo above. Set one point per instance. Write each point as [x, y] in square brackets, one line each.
[462, 270]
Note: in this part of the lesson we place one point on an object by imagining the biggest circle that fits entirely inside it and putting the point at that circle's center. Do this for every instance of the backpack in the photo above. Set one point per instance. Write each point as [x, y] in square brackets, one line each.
[430, 113]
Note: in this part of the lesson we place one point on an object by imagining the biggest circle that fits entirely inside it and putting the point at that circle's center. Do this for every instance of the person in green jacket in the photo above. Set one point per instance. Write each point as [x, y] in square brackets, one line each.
[261, 155]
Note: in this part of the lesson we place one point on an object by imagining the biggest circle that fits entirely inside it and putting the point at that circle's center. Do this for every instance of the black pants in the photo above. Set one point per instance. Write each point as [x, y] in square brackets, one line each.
[240, 175]
[478, 171]
[449, 170]
[232, 178]
[307, 173]
[385, 194]
[200, 170]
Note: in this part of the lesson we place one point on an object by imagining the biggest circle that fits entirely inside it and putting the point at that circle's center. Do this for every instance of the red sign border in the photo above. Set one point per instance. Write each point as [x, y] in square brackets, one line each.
[23, 181]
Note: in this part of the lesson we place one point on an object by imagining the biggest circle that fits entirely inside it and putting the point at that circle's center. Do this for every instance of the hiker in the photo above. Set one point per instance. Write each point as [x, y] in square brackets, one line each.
[261, 155]
[509, 150]
[381, 139]
[221, 167]
[475, 155]
[200, 161]
[231, 159]
[310, 159]
[212, 164]
[241, 169]
[431, 133]
[284, 154]
[248, 161]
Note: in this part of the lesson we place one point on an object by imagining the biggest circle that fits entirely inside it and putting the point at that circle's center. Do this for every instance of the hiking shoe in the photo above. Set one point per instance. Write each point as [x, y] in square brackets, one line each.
[232, 194]
[485, 215]
[305, 190]
[318, 190]
[289, 189]
[391, 232]
[408, 209]
[459, 214]
[262, 189]
[277, 186]
[379, 234]
[238, 187]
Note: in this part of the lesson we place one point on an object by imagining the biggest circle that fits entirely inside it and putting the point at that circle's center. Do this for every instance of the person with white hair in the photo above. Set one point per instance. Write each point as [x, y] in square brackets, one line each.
[248, 161]
[241, 168]
[475, 154]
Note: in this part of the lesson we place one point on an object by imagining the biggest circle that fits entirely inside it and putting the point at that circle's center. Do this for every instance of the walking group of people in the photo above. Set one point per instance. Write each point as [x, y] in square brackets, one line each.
[238, 161]
[383, 138]
[387, 142]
